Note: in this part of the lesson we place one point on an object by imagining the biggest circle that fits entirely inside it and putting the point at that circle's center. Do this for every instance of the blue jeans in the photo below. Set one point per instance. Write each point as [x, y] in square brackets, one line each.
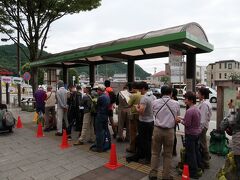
[101, 125]
[193, 157]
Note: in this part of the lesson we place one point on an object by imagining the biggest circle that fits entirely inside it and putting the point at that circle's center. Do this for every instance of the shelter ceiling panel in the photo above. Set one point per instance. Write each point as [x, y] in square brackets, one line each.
[157, 49]
[137, 52]
[95, 58]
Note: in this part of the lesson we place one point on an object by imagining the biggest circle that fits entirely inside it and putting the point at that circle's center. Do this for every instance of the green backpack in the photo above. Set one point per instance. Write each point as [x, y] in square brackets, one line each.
[218, 143]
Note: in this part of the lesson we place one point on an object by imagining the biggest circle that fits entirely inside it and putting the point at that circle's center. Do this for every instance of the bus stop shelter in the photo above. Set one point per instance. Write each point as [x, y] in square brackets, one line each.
[189, 39]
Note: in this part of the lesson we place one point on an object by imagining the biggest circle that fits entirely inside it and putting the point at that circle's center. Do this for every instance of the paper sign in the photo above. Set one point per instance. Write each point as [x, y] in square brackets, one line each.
[6, 79]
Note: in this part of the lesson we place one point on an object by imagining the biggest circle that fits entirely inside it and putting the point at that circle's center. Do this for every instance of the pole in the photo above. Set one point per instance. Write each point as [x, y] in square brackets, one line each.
[18, 57]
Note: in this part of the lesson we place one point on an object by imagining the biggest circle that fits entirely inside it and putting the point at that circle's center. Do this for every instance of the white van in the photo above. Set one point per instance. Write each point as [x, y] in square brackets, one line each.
[212, 93]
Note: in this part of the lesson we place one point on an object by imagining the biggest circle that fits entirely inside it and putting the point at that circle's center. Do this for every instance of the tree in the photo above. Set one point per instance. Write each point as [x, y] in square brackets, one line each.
[34, 20]
[165, 79]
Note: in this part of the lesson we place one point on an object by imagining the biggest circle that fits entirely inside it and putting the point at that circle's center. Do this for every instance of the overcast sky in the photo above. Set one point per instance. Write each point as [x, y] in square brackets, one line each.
[115, 19]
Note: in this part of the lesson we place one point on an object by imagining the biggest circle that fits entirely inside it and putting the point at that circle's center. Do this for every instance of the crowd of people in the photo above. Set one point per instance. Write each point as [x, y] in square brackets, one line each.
[150, 123]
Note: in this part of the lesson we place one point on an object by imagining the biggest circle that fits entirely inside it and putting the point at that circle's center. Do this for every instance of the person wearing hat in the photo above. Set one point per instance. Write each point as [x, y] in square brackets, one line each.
[50, 101]
[101, 121]
[62, 107]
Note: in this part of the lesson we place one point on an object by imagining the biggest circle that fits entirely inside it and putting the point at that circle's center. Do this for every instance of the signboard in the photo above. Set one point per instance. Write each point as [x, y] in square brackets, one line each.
[17, 80]
[26, 76]
[176, 66]
[6, 79]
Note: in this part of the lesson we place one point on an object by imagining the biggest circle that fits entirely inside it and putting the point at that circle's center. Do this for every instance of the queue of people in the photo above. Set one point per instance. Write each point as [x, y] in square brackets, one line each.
[150, 123]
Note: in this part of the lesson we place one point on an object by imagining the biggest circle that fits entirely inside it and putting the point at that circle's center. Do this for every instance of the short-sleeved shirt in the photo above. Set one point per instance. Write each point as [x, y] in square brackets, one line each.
[134, 100]
[162, 112]
[147, 100]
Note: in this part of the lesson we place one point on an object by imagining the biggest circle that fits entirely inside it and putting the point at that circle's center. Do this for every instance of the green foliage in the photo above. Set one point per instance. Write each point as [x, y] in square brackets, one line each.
[115, 68]
[165, 79]
[35, 17]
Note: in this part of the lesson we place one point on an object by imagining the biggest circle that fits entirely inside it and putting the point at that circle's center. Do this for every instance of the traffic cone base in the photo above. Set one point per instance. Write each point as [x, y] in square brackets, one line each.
[19, 123]
[64, 144]
[39, 131]
[185, 174]
[113, 164]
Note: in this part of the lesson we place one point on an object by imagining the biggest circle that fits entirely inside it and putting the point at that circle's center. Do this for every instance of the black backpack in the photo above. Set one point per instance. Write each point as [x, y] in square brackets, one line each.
[113, 97]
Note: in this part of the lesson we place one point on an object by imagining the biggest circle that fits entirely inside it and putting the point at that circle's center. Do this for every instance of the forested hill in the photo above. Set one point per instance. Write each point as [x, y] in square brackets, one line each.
[8, 59]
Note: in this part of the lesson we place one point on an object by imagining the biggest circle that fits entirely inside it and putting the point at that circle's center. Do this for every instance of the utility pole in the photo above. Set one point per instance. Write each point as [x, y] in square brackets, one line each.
[18, 56]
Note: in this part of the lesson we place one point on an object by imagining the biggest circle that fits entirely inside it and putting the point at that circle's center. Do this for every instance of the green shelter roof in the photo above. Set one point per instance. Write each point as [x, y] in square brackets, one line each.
[187, 38]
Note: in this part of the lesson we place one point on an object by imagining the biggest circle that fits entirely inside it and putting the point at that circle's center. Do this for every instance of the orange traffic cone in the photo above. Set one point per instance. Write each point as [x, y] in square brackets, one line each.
[113, 164]
[64, 144]
[185, 174]
[39, 131]
[19, 123]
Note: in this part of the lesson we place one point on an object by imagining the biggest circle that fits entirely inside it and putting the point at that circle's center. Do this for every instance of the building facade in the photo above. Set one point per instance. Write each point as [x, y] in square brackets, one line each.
[221, 70]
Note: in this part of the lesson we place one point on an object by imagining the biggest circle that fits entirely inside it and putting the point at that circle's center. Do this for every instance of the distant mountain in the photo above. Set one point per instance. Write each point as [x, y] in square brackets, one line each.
[8, 59]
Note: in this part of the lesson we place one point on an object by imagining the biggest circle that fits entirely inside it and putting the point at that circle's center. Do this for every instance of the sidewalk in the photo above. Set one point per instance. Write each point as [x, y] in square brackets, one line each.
[23, 156]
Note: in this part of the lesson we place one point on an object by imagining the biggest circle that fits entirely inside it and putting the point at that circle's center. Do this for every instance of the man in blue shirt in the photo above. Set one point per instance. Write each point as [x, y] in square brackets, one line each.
[101, 121]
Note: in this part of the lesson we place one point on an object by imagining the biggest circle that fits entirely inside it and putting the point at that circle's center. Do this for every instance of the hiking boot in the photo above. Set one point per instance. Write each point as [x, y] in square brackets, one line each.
[129, 150]
[96, 150]
[78, 143]
[153, 174]
[47, 130]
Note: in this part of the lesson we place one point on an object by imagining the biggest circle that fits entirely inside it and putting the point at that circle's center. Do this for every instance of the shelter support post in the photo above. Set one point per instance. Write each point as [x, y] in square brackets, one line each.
[131, 71]
[7, 94]
[92, 72]
[220, 104]
[191, 72]
[65, 75]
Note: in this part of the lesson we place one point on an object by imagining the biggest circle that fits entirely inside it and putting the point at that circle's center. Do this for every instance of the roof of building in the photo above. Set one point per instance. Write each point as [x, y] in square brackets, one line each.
[4, 71]
[158, 74]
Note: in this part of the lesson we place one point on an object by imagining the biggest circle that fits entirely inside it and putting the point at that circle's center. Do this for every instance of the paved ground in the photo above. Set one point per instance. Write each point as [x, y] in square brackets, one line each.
[23, 156]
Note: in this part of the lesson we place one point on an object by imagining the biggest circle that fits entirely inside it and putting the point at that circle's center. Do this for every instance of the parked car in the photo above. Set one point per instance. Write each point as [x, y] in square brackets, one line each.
[212, 93]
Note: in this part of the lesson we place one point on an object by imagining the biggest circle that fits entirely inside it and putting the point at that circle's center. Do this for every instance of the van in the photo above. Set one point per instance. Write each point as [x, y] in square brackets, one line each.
[212, 93]
[179, 88]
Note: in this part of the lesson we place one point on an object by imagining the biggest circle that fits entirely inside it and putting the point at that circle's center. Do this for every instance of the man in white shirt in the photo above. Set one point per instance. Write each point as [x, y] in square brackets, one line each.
[205, 108]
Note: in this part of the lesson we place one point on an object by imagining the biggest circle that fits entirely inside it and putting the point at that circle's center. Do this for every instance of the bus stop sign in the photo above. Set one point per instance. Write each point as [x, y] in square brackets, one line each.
[26, 76]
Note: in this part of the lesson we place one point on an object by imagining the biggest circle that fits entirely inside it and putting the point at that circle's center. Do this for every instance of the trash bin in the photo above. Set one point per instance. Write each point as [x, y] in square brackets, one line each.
[24, 104]
[15, 100]
[30, 105]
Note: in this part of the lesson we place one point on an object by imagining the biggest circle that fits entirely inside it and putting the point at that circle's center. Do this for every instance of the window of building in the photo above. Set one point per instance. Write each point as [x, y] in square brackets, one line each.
[211, 76]
[220, 75]
[238, 65]
[212, 66]
[235, 65]
[225, 75]
[220, 65]
[225, 64]
[229, 66]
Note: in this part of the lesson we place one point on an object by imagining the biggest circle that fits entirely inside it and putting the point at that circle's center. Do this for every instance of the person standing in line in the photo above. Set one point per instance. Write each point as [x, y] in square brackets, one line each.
[165, 110]
[123, 114]
[145, 125]
[192, 124]
[101, 121]
[72, 110]
[174, 97]
[50, 101]
[87, 133]
[40, 96]
[205, 108]
[133, 117]
[62, 107]
[109, 90]
[79, 111]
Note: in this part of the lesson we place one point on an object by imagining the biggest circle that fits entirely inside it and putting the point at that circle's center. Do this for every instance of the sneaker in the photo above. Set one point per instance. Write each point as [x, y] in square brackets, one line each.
[153, 175]
[78, 143]
[58, 134]
[69, 138]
